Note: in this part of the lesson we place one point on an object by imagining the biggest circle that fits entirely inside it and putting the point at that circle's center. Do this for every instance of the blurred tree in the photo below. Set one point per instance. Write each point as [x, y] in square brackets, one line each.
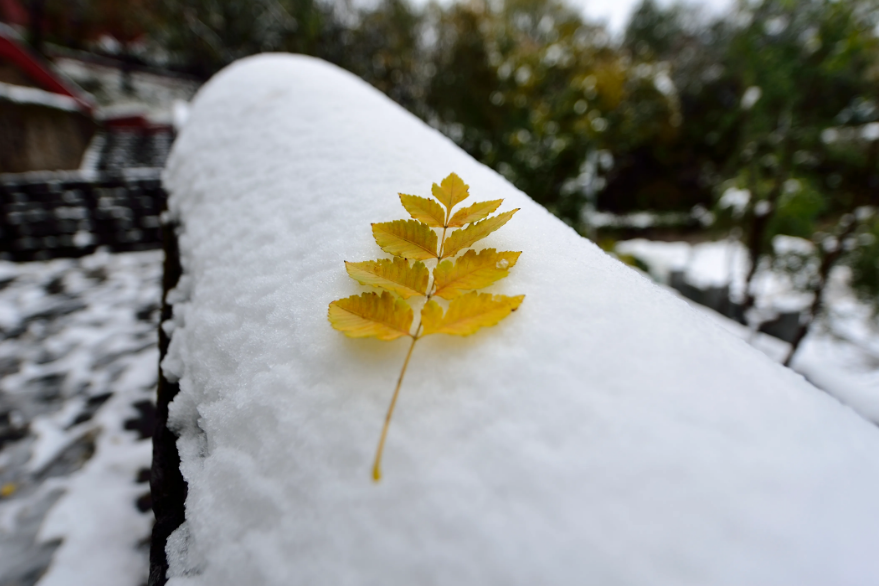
[678, 168]
[810, 77]
[385, 49]
[202, 36]
[864, 259]
[806, 64]
[853, 242]
[655, 33]
[530, 89]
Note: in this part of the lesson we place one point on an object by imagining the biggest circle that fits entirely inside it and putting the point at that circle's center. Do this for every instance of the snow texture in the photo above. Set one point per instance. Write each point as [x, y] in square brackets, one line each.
[831, 357]
[606, 433]
[78, 363]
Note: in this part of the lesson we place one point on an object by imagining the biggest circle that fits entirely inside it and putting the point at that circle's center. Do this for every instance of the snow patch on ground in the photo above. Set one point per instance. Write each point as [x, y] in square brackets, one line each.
[78, 363]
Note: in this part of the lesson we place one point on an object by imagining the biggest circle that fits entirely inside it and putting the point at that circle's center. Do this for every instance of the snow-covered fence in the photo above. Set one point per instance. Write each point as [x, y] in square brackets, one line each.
[52, 215]
[607, 433]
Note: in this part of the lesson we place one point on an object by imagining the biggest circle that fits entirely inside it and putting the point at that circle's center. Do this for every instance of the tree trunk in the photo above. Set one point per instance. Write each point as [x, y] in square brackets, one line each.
[827, 263]
[760, 222]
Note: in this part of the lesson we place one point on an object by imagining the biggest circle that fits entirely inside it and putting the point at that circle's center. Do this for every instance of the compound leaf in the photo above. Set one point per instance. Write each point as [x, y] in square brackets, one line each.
[468, 313]
[472, 271]
[407, 238]
[395, 275]
[466, 237]
[474, 213]
[389, 316]
[424, 209]
[371, 316]
[451, 191]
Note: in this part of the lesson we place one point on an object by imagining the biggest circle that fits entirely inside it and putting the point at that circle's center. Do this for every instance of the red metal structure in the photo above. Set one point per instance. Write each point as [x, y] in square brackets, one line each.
[14, 53]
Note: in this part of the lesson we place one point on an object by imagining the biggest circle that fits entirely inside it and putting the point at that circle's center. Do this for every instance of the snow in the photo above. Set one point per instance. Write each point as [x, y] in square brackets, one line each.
[606, 433]
[29, 95]
[735, 199]
[722, 263]
[77, 352]
[841, 353]
[870, 131]
[846, 368]
[636, 219]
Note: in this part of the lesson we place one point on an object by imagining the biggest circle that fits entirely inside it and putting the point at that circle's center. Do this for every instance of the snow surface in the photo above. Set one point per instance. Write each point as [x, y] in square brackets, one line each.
[77, 351]
[841, 353]
[606, 433]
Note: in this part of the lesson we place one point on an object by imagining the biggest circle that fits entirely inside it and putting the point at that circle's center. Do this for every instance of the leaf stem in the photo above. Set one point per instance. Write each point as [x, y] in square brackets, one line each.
[376, 468]
[439, 256]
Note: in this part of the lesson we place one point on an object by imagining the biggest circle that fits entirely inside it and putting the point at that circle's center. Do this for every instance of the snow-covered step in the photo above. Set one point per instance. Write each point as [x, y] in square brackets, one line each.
[606, 433]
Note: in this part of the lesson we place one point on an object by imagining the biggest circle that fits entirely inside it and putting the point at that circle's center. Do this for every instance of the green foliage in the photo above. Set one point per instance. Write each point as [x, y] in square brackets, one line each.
[532, 90]
[864, 263]
[799, 208]
[385, 49]
[567, 114]
[202, 36]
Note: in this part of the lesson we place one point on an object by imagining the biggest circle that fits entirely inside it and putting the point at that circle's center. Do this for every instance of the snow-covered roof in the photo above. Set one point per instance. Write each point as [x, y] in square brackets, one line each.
[31, 95]
[606, 433]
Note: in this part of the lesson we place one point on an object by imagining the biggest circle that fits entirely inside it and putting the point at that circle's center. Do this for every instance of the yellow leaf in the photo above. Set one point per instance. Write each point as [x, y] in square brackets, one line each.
[431, 318]
[388, 316]
[474, 213]
[451, 191]
[396, 275]
[468, 313]
[472, 271]
[370, 315]
[424, 209]
[464, 238]
[407, 238]
[8, 490]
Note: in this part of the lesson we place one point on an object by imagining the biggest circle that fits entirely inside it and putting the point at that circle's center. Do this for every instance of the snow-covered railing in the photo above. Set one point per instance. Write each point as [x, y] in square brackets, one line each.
[606, 433]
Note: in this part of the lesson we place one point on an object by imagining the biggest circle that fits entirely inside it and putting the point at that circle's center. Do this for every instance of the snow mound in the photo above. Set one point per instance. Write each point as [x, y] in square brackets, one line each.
[606, 433]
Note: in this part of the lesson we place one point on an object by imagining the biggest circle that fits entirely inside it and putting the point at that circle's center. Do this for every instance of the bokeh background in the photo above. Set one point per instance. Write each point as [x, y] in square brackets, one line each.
[616, 107]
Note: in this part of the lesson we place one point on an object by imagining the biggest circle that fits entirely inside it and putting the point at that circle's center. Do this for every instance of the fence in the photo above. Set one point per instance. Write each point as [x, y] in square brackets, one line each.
[68, 214]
